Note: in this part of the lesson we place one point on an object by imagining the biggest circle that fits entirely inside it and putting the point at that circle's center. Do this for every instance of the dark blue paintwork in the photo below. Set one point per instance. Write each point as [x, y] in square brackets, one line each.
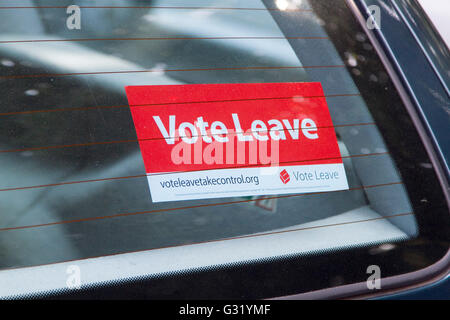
[435, 291]
[420, 69]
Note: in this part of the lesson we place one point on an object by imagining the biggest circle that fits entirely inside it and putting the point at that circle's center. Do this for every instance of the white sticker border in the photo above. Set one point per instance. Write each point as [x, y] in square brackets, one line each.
[242, 182]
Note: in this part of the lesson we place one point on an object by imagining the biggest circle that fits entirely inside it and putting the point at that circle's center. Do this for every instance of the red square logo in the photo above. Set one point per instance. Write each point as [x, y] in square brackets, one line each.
[284, 176]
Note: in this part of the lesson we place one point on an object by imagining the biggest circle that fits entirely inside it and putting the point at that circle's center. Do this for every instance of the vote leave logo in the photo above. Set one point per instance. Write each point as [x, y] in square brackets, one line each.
[284, 176]
[213, 139]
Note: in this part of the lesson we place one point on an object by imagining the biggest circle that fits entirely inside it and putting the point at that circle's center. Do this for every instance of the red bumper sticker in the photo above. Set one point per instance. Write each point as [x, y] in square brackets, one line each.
[227, 140]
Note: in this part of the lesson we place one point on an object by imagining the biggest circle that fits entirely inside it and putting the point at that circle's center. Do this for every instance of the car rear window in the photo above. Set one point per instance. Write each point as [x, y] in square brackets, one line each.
[73, 184]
